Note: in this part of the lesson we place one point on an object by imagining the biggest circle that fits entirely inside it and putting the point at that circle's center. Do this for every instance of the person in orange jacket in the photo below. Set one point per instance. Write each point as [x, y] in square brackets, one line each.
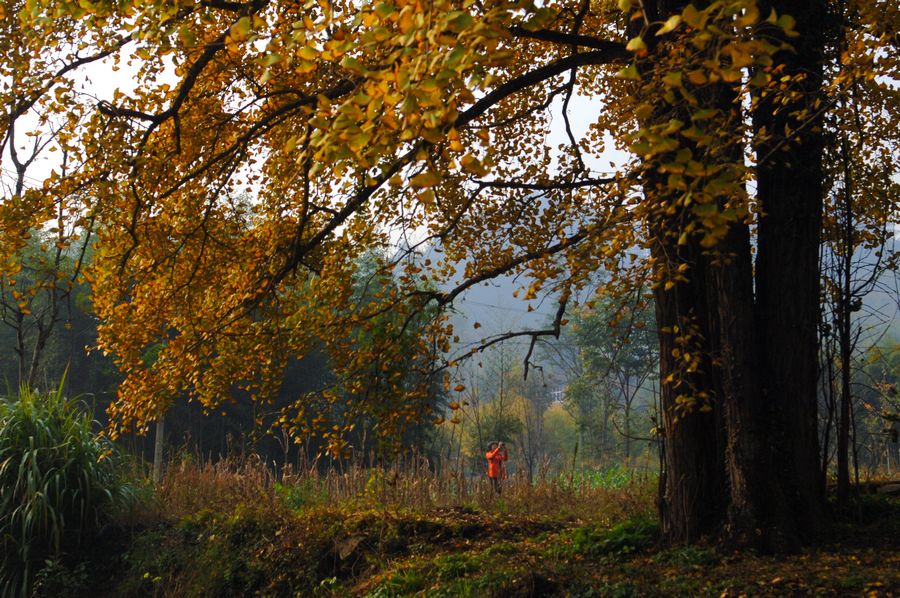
[496, 455]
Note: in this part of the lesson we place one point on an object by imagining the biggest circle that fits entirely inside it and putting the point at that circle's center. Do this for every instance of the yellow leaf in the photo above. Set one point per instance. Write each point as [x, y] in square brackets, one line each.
[672, 79]
[629, 72]
[241, 29]
[670, 25]
[697, 77]
[644, 111]
[472, 165]
[692, 16]
[308, 53]
[636, 44]
[428, 178]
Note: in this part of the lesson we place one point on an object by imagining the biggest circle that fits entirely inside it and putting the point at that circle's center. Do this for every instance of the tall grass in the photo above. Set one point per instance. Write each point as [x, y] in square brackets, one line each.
[413, 484]
[189, 486]
[58, 480]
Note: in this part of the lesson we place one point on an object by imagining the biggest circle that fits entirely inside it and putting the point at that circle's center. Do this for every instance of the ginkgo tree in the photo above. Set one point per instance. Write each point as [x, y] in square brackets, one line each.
[355, 124]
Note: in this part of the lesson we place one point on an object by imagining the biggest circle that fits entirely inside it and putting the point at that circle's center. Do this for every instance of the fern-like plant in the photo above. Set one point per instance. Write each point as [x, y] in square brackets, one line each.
[57, 481]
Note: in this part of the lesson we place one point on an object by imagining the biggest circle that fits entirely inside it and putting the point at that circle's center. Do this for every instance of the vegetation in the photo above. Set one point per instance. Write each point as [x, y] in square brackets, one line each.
[327, 536]
[269, 231]
[59, 484]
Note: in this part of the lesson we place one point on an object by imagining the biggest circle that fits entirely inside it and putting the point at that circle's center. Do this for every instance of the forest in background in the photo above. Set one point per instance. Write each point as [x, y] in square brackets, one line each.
[589, 405]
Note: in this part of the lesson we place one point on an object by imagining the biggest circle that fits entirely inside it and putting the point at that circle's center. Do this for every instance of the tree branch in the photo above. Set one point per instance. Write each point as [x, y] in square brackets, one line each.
[569, 39]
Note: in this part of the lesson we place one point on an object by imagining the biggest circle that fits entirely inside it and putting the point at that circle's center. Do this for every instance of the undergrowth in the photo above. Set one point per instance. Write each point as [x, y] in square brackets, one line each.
[234, 529]
[59, 485]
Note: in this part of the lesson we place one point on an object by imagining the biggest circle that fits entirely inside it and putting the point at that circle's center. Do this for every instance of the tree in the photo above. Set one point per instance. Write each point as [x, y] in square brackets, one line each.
[36, 296]
[45, 219]
[561, 437]
[737, 345]
[355, 123]
[859, 253]
[618, 346]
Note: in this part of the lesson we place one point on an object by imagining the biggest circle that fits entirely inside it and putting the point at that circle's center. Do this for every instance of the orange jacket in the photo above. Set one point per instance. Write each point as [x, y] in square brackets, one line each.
[495, 459]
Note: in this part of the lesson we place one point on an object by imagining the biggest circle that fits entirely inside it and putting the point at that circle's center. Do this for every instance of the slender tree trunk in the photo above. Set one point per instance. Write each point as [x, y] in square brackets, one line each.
[20, 348]
[746, 454]
[40, 343]
[628, 431]
[844, 334]
[158, 449]
[827, 386]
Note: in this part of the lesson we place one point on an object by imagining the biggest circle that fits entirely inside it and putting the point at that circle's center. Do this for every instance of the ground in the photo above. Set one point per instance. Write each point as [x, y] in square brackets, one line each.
[347, 550]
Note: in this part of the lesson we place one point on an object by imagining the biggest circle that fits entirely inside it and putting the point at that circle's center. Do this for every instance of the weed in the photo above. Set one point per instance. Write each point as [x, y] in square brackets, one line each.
[301, 494]
[621, 539]
[57, 579]
[59, 483]
[687, 556]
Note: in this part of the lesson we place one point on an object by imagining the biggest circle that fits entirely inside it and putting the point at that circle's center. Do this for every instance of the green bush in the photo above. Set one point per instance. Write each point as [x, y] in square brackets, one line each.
[301, 494]
[621, 539]
[58, 481]
[615, 477]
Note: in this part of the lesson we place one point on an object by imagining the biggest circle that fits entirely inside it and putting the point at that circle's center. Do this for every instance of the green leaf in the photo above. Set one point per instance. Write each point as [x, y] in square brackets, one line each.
[704, 114]
[759, 79]
[670, 25]
[352, 64]
[787, 23]
[636, 44]
[459, 21]
[384, 9]
[704, 210]
[271, 59]
[672, 79]
[629, 72]
[425, 179]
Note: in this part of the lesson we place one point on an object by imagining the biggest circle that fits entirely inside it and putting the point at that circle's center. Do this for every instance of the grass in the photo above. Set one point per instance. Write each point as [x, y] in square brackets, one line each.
[232, 529]
[59, 483]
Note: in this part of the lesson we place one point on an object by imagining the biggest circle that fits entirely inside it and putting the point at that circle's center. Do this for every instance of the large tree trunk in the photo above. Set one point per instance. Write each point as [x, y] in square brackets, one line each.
[746, 453]
[694, 491]
[790, 187]
[744, 462]
[694, 487]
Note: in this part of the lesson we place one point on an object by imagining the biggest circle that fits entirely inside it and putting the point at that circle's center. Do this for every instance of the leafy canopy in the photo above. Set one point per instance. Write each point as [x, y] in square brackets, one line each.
[352, 125]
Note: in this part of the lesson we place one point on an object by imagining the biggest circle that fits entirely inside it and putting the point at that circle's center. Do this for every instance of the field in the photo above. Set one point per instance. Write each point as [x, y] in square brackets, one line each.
[232, 529]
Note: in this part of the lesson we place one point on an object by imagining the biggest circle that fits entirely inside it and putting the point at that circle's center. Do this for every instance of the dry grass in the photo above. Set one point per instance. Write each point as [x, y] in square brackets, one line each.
[190, 487]
[421, 489]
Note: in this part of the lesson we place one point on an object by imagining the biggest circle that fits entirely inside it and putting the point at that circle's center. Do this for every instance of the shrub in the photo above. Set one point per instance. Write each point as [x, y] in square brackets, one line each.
[58, 481]
[621, 539]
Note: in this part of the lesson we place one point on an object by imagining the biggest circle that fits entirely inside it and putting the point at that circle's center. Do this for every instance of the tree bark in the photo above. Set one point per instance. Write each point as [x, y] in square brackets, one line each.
[746, 464]
[694, 500]
[790, 189]
[844, 332]
[159, 449]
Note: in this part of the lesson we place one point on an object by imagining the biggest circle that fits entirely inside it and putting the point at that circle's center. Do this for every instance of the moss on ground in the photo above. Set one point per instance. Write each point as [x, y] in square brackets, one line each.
[321, 551]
